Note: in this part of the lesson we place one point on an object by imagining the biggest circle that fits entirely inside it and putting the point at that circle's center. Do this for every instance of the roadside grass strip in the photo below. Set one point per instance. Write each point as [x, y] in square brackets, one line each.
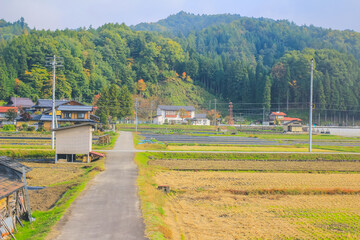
[152, 200]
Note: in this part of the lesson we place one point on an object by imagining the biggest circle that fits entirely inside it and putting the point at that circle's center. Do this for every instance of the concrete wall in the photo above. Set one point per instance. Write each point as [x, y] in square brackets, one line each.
[74, 140]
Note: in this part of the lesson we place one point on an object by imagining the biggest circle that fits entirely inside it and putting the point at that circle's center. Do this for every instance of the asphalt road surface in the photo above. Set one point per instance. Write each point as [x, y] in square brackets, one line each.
[109, 208]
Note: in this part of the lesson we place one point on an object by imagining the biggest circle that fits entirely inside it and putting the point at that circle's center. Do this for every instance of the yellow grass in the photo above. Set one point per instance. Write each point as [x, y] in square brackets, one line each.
[258, 165]
[47, 174]
[244, 149]
[203, 208]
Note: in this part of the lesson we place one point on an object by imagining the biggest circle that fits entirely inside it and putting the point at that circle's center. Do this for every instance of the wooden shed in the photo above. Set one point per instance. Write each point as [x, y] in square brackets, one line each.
[294, 126]
[74, 140]
[14, 201]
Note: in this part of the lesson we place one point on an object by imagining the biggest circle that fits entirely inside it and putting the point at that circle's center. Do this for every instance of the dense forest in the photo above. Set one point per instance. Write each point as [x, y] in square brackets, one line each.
[189, 59]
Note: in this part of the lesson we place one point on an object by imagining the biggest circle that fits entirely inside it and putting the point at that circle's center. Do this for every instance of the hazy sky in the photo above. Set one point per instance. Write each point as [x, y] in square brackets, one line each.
[51, 14]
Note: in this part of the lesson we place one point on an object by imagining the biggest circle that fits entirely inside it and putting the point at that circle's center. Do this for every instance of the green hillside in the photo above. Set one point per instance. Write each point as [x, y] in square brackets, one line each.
[257, 63]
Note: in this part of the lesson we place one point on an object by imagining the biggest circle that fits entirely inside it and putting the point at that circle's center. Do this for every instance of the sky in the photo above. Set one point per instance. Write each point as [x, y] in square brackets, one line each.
[61, 14]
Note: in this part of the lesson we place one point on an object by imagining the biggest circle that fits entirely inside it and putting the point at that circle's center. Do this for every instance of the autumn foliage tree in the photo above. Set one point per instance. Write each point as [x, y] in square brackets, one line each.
[141, 86]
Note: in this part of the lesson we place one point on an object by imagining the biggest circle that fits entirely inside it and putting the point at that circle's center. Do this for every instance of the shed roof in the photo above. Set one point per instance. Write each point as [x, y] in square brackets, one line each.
[13, 164]
[75, 108]
[74, 126]
[23, 102]
[8, 186]
[176, 108]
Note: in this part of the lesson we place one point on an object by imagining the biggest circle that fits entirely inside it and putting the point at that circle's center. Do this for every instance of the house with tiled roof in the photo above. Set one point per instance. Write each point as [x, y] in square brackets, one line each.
[67, 112]
[24, 103]
[3, 114]
[281, 117]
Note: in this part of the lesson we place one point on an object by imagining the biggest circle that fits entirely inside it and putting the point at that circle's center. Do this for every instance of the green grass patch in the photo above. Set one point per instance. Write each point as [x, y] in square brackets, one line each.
[113, 137]
[152, 200]
[26, 153]
[255, 156]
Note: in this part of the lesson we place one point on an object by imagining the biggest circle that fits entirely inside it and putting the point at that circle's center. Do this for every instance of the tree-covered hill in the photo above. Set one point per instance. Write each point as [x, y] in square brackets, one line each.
[247, 59]
[259, 62]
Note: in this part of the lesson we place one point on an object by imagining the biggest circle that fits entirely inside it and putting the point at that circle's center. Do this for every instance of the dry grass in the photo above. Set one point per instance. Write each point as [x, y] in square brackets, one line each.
[245, 149]
[47, 174]
[56, 177]
[258, 165]
[202, 207]
[219, 181]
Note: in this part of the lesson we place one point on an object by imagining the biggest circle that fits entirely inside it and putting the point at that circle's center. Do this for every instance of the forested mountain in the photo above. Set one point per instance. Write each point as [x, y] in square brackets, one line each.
[259, 62]
[240, 59]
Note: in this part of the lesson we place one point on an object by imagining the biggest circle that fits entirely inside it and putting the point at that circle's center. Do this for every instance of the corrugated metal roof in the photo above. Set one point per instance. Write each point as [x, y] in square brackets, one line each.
[13, 164]
[176, 108]
[75, 108]
[74, 126]
[8, 186]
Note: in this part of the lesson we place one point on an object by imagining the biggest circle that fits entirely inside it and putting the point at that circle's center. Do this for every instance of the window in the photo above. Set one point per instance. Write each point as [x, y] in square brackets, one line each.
[67, 115]
[81, 115]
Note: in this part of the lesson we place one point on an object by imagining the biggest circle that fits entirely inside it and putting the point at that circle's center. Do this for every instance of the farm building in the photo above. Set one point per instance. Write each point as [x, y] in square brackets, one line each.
[294, 126]
[74, 140]
[13, 196]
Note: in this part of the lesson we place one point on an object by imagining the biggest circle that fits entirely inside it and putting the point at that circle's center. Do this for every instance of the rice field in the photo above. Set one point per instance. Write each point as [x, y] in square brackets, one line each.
[249, 165]
[234, 205]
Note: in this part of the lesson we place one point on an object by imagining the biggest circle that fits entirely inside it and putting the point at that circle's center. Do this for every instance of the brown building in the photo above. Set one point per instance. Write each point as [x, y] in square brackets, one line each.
[12, 194]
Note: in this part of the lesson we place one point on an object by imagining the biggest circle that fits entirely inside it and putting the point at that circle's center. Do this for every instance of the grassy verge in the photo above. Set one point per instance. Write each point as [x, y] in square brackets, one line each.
[113, 138]
[256, 156]
[45, 220]
[26, 153]
[152, 200]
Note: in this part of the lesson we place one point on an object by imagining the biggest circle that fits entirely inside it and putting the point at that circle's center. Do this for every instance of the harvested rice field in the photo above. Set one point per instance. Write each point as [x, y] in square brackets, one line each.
[261, 205]
[246, 165]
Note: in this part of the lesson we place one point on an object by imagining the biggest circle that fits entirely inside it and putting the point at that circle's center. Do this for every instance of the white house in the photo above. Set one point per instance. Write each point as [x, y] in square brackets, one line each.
[172, 115]
[200, 119]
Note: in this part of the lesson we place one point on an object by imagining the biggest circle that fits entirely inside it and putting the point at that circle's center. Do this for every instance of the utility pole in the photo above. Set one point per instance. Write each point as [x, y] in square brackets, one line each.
[263, 116]
[53, 62]
[231, 120]
[215, 114]
[136, 103]
[151, 106]
[311, 103]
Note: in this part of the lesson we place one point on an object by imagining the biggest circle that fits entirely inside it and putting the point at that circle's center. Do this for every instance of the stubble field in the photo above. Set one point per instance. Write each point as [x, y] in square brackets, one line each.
[244, 205]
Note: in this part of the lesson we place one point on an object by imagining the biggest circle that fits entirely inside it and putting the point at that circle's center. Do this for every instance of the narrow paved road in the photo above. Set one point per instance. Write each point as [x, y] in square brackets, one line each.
[110, 208]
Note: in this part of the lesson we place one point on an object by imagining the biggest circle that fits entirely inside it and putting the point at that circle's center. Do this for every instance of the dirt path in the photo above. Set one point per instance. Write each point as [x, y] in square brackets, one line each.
[110, 208]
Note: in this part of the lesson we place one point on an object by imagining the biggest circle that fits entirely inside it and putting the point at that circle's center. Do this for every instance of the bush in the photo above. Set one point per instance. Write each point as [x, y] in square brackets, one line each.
[41, 129]
[8, 127]
[31, 129]
[24, 126]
